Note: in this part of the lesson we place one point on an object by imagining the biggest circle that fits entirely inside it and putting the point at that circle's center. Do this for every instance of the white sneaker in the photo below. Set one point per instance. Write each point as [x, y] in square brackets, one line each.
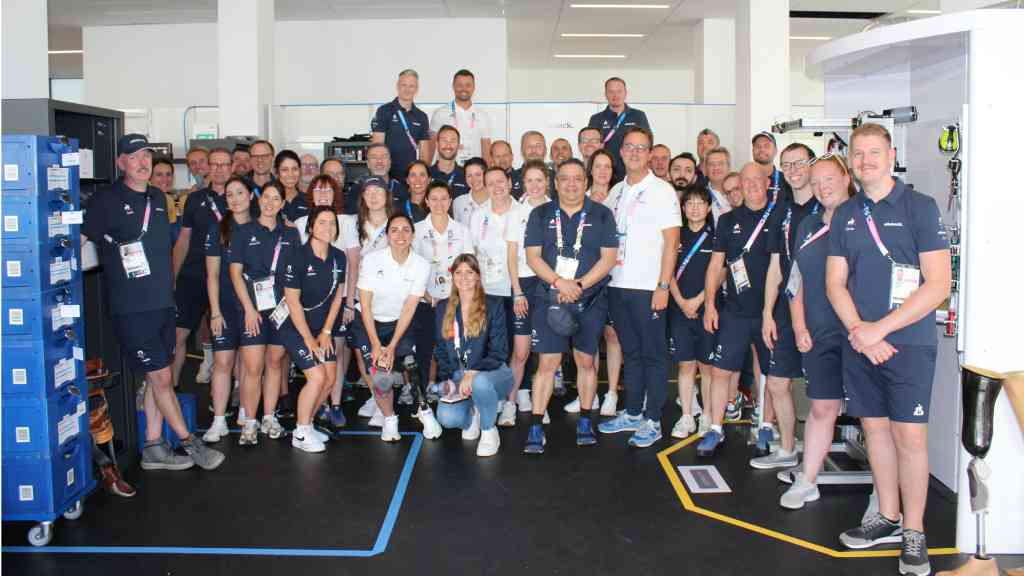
[610, 404]
[508, 414]
[704, 425]
[684, 427]
[217, 431]
[489, 443]
[271, 427]
[377, 420]
[304, 439]
[316, 434]
[547, 419]
[368, 408]
[241, 416]
[389, 431]
[574, 406]
[801, 492]
[524, 401]
[431, 428]
[473, 432]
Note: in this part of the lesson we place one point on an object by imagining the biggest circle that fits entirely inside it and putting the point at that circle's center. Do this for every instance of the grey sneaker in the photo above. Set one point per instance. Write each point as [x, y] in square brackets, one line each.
[159, 456]
[914, 557]
[250, 433]
[777, 459]
[799, 493]
[876, 530]
[205, 457]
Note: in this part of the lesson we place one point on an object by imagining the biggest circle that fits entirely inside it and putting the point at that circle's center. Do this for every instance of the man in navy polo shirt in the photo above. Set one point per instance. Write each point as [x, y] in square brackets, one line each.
[615, 119]
[762, 150]
[571, 246]
[378, 162]
[446, 170]
[533, 147]
[128, 223]
[888, 270]
[403, 127]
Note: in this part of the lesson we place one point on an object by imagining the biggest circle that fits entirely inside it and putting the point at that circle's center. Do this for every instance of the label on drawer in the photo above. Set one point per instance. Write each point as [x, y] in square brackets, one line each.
[80, 409]
[71, 217]
[70, 310]
[19, 376]
[71, 476]
[67, 428]
[10, 172]
[69, 159]
[63, 371]
[74, 263]
[15, 316]
[59, 321]
[78, 352]
[60, 270]
[22, 435]
[11, 223]
[26, 493]
[14, 268]
[57, 178]
[56, 227]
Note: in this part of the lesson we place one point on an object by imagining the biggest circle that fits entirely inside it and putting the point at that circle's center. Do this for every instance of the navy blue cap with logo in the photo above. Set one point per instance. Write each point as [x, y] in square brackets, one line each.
[132, 143]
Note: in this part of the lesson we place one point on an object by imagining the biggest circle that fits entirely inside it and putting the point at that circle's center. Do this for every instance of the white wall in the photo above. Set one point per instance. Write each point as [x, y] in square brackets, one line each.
[668, 85]
[25, 63]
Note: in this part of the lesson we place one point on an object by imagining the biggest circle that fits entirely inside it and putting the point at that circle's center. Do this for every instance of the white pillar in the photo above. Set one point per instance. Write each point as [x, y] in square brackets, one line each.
[26, 63]
[715, 61]
[762, 70]
[245, 65]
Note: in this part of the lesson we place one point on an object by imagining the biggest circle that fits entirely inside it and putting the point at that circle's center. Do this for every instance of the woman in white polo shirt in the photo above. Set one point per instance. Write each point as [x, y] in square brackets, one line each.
[478, 198]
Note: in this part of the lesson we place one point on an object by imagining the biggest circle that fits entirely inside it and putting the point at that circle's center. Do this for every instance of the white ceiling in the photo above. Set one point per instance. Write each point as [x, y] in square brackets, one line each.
[534, 26]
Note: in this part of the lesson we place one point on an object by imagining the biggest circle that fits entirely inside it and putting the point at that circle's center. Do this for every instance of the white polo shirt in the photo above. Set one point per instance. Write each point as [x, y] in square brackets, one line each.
[488, 231]
[464, 207]
[347, 235]
[719, 203]
[642, 212]
[517, 233]
[391, 283]
[376, 239]
[473, 125]
[439, 248]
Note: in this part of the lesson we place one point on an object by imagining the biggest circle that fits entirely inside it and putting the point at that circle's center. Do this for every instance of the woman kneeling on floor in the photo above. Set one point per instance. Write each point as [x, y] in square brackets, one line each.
[472, 354]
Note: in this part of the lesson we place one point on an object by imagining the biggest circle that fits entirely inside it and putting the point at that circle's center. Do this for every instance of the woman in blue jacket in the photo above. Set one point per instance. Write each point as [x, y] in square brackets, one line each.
[472, 352]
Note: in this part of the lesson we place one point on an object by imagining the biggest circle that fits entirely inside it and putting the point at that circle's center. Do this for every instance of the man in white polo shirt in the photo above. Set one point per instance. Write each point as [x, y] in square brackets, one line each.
[473, 124]
[647, 220]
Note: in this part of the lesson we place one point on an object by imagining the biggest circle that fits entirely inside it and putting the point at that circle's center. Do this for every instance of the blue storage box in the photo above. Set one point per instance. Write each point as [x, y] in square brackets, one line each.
[30, 267]
[40, 180]
[188, 412]
[40, 368]
[43, 315]
[34, 425]
[40, 487]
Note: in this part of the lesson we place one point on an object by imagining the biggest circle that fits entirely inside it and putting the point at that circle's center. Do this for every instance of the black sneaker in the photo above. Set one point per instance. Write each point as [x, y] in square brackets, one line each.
[914, 557]
[877, 529]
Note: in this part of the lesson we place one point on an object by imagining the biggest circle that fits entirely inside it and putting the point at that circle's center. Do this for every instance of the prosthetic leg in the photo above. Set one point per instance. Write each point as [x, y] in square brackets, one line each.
[431, 428]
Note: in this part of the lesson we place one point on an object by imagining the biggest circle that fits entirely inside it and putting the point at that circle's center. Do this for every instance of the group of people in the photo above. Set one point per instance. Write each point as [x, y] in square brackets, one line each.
[447, 264]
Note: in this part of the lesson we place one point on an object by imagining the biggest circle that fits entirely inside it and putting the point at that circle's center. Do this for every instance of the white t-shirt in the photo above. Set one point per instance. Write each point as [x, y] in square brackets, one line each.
[376, 239]
[347, 236]
[488, 231]
[719, 204]
[517, 233]
[642, 212]
[473, 125]
[392, 283]
[439, 248]
[464, 207]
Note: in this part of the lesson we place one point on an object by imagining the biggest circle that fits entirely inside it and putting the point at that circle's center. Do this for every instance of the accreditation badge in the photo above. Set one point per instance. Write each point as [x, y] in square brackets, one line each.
[904, 279]
[133, 258]
[566, 267]
[740, 279]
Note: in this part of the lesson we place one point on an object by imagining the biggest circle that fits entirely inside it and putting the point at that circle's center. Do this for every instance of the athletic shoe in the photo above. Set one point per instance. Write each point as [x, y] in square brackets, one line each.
[777, 459]
[734, 409]
[304, 439]
[914, 557]
[205, 457]
[321, 414]
[318, 433]
[160, 456]
[872, 508]
[547, 418]
[704, 424]
[623, 422]
[113, 483]
[610, 404]
[218, 430]
[473, 432]
[431, 428]
[368, 408]
[801, 492]
[271, 427]
[876, 530]
[585, 432]
[710, 443]
[786, 476]
[508, 414]
[335, 417]
[405, 398]
[377, 420]
[765, 436]
[574, 406]
[489, 443]
[389, 431]
[250, 433]
[684, 427]
[524, 401]
[647, 435]
[535, 440]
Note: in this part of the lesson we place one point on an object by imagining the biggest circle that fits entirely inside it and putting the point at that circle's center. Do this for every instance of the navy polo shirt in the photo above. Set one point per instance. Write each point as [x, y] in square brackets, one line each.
[414, 211]
[202, 209]
[516, 176]
[215, 247]
[456, 180]
[784, 242]
[606, 121]
[598, 232]
[117, 213]
[388, 120]
[820, 316]
[733, 230]
[908, 223]
[318, 280]
[691, 283]
[295, 208]
[252, 246]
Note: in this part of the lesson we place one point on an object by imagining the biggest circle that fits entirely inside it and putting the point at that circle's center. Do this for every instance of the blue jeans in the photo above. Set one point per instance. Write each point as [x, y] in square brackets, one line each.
[488, 388]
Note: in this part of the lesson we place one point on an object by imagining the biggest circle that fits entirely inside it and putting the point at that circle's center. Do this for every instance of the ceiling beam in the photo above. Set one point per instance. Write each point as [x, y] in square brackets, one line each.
[836, 15]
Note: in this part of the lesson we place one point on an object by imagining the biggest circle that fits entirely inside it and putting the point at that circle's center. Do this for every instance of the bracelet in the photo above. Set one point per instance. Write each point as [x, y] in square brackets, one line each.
[215, 317]
[518, 296]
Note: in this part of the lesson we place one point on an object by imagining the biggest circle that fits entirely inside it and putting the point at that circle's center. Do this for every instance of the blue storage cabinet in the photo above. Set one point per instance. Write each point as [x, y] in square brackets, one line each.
[47, 447]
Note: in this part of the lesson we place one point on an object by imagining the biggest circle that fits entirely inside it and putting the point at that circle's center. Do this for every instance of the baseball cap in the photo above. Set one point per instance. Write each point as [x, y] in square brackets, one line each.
[373, 181]
[766, 134]
[132, 143]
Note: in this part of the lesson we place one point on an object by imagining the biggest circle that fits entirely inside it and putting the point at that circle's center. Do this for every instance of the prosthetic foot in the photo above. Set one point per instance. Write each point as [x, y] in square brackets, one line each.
[980, 388]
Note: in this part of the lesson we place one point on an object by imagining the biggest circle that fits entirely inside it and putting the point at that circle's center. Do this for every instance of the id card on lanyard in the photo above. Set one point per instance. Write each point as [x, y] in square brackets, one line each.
[408, 133]
[263, 288]
[622, 223]
[493, 269]
[566, 267]
[738, 267]
[439, 268]
[904, 279]
[133, 254]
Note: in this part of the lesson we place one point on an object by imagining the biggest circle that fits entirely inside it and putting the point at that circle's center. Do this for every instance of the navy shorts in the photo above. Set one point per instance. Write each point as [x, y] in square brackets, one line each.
[591, 325]
[823, 367]
[783, 361]
[340, 328]
[267, 336]
[524, 326]
[900, 389]
[303, 357]
[687, 339]
[191, 301]
[385, 331]
[231, 335]
[147, 339]
[735, 335]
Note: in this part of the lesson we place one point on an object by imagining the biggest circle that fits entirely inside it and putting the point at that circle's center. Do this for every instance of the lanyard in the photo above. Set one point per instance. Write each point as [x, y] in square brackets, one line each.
[408, 208]
[455, 118]
[145, 219]
[874, 233]
[689, 255]
[451, 178]
[377, 238]
[786, 222]
[277, 253]
[631, 211]
[486, 223]
[214, 209]
[334, 284]
[578, 242]
[775, 185]
[622, 116]
[405, 125]
[463, 360]
[812, 237]
[757, 230]
[714, 199]
[435, 243]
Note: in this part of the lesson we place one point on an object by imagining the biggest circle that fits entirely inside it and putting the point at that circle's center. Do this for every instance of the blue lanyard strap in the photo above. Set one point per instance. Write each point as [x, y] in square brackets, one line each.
[689, 255]
[405, 125]
[618, 123]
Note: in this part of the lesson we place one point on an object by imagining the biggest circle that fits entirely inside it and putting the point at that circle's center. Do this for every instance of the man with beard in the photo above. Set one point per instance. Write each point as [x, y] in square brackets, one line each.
[473, 124]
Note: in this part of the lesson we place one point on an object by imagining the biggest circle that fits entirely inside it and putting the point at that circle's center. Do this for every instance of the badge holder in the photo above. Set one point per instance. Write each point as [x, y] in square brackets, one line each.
[280, 314]
[133, 258]
[263, 294]
[740, 279]
[904, 280]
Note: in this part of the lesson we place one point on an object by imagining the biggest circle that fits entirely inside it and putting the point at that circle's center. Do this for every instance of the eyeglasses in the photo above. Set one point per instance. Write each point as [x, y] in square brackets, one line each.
[220, 164]
[590, 141]
[794, 165]
[835, 157]
[635, 147]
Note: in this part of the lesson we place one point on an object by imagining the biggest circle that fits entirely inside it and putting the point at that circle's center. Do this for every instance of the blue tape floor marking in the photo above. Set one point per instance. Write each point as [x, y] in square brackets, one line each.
[381, 544]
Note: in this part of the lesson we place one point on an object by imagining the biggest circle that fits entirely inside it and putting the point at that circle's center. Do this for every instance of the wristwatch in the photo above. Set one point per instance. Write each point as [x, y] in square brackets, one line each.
[663, 285]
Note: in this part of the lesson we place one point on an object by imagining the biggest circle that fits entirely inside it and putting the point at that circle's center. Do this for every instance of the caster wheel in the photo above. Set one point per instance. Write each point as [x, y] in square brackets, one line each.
[40, 535]
[75, 512]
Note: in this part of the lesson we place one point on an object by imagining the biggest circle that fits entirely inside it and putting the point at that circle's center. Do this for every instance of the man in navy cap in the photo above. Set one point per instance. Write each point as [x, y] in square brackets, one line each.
[128, 223]
[403, 127]
[763, 150]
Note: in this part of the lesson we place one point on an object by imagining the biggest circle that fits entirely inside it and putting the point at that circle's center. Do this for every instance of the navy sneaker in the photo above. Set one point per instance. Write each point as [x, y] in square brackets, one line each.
[585, 432]
[535, 440]
[764, 440]
[709, 444]
[321, 414]
[336, 417]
